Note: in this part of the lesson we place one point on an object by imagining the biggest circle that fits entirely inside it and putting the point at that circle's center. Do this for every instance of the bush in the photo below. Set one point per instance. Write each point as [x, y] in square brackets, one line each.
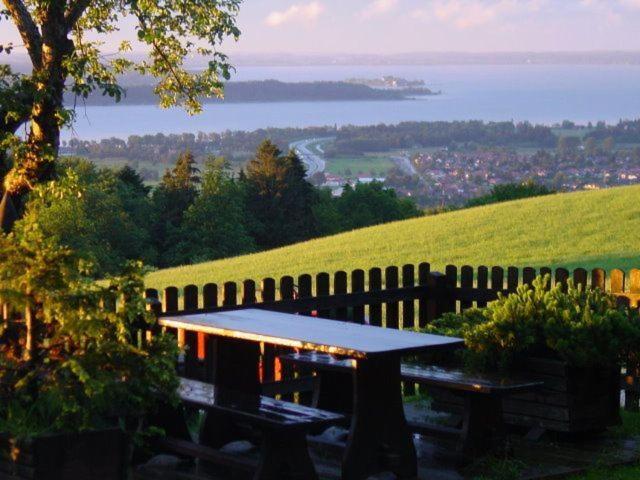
[80, 364]
[581, 326]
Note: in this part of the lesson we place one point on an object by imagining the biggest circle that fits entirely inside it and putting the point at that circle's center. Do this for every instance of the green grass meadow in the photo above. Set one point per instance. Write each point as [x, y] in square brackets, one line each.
[359, 165]
[588, 229]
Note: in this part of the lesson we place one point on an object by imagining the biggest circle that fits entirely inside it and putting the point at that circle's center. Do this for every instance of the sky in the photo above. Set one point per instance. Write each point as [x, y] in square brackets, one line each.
[404, 26]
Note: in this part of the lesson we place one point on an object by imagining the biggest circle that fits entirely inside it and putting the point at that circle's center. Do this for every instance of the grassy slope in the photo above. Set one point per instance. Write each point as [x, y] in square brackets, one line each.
[596, 228]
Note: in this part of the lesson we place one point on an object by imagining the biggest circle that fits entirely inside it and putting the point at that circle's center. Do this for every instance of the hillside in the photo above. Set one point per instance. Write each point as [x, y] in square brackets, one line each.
[593, 228]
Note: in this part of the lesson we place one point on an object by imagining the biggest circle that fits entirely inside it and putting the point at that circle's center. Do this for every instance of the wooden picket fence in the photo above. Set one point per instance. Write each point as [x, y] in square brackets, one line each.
[397, 297]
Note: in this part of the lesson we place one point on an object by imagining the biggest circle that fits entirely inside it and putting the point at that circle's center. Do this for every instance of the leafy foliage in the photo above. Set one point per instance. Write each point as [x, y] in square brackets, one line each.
[581, 326]
[96, 213]
[84, 366]
[64, 40]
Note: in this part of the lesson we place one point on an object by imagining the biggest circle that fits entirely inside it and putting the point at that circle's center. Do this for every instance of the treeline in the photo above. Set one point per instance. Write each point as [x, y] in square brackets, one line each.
[235, 146]
[194, 216]
[376, 138]
[625, 131]
[269, 91]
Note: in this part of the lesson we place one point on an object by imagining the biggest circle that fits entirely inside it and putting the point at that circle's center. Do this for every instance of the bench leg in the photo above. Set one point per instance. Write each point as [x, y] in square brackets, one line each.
[379, 439]
[285, 456]
[483, 428]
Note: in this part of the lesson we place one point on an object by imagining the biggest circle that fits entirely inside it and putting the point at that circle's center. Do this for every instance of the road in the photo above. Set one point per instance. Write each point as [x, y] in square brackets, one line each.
[312, 160]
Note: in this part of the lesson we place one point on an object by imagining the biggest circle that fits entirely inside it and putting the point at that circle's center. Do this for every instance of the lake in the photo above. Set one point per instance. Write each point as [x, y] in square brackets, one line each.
[538, 93]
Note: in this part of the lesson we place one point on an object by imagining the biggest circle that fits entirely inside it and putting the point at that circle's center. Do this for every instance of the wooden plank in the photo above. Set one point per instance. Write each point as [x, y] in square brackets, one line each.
[248, 292]
[546, 271]
[287, 371]
[617, 281]
[528, 275]
[194, 346]
[438, 304]
[305, 288]
[497, 279]
[392, 319]
[375, 285]
[190, 298]
[451, 275]
[230, 294]
[483, 284]
[580, 277]
[562, 275]
[210, 295]
[322, 290]
[170, 304]
[599, 278]
[408, 306]
[357, 286]
[466, 281]
[423, 280]
[634, 280]
[339, 288]
[513, 279]
[269, 355]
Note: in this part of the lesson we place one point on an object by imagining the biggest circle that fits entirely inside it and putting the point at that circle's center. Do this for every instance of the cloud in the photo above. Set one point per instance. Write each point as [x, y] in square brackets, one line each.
[464, 14]
[379, 7]
[295, 13]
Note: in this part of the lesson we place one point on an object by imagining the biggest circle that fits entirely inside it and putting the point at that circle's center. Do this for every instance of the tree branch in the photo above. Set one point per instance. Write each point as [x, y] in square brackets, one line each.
[74, 12]
[28, 30]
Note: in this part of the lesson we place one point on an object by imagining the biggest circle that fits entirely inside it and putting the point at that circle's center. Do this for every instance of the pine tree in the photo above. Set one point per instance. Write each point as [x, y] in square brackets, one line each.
[174, 195]
[279, 199]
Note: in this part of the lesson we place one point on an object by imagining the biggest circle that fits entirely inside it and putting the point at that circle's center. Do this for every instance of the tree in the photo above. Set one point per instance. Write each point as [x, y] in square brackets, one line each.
[590, 146]
[59, 37]
[371, 204]
[279, 199]
[215, 226]
[174, 195]
[93, 212]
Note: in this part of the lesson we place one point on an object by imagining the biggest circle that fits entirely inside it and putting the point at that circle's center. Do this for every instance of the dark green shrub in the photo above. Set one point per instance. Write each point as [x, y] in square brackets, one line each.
[583, 327]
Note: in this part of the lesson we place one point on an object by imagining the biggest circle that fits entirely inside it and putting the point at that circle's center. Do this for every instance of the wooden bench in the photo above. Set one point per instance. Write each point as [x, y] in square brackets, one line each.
[482, 426]
[283, 427]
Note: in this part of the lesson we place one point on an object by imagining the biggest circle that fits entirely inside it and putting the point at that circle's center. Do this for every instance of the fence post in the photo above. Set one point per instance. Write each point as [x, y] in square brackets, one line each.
[340, 288]
[191, 339]
[408, 306]
[375, 307]
[423, 280]
[357, 286]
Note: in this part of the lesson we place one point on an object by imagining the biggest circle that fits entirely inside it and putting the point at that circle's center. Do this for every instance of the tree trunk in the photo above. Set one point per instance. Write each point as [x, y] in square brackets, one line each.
[37, 163]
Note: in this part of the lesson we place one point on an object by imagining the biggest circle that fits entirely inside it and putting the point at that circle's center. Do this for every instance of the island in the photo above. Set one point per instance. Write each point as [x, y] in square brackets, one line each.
[272, 91]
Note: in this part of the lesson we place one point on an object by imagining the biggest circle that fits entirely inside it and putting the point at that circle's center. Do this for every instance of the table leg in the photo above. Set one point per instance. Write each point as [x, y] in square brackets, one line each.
[235, 367]
[334, 391]
[379, 439]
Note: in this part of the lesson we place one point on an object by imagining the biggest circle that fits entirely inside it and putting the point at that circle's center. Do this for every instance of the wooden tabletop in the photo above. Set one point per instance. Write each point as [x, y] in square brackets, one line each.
[310, 333]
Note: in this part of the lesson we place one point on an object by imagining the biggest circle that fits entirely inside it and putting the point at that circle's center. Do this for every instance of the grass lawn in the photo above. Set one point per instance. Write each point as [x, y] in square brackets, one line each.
[360, 165]
[588, 229]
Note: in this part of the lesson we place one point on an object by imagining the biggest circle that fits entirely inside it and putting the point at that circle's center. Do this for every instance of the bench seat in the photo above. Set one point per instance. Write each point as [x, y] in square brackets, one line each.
[482, 424]
[283, 426]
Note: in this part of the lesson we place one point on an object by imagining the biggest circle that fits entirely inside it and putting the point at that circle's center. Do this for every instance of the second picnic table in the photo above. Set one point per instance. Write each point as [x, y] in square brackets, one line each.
[379, 437]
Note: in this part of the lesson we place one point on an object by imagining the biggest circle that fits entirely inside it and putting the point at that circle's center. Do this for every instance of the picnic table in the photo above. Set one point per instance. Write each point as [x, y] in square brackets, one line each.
[379, 437]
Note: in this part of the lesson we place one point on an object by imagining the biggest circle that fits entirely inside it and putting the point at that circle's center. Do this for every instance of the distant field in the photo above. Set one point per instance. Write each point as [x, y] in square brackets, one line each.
[360, 165]
[588, 229]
